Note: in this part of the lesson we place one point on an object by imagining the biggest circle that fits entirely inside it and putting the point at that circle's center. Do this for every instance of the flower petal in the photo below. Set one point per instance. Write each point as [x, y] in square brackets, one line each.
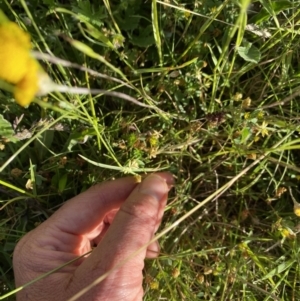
[14, 52]
[27, 88]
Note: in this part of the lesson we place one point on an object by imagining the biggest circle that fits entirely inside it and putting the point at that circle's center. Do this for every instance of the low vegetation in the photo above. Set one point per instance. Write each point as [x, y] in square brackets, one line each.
[208, 90]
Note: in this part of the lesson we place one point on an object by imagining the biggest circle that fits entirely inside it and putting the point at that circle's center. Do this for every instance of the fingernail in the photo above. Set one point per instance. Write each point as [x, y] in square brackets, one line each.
[155, 186]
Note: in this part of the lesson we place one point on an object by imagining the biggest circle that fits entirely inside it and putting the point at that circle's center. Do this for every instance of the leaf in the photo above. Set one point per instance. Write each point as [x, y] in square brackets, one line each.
[62, 182]
[279, 269]
[78, 137]
[6, 129]
[84, 11]
[246, 133]
[129, 17]
[129, 23]
[96, 34]
[55, 180]
[279, 6]
[156, 31]
[249, 52]
[270, 9]
[31, 182]
[145, 38]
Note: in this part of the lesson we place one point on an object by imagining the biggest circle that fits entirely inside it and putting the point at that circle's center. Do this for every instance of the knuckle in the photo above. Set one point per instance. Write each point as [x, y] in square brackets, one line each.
[143, 209]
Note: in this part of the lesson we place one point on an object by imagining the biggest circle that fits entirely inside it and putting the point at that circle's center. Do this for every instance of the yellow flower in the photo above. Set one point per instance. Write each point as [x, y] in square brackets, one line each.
[18, 67]
[251, 156]
[263, 129]
[237, 96]
[14, 52]
[28, 87]
[246, 102]
[297, 209]
[247, 115]
[260, 114]
[287, 233]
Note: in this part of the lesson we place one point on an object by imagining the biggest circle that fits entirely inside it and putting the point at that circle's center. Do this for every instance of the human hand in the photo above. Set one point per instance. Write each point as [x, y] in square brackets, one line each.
[82, 222]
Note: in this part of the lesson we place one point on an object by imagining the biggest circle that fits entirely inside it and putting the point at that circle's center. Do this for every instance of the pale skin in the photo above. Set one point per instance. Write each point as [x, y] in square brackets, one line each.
[118, 217]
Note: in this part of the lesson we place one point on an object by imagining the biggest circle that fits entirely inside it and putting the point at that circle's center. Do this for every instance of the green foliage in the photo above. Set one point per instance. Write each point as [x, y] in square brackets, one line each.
[222, 87]
[249, 52]
[6, 129]
[270, 9]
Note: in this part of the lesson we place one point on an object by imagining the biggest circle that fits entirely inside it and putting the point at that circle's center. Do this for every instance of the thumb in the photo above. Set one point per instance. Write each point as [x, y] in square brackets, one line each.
[133, 227]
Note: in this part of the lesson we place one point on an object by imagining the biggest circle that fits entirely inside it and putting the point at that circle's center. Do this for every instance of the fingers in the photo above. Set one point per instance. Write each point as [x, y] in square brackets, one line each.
[82, 214]
[138, 217]
[153, 250]
[133, 227]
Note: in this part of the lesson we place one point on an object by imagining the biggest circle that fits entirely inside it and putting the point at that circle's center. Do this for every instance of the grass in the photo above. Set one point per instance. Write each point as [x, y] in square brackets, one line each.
[220, 81]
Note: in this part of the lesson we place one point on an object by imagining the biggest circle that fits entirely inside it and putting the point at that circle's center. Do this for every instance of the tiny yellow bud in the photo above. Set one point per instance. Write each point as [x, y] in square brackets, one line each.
[297, 209]
[246, 102]
[154, 285]
[175, 272]
[237, 96]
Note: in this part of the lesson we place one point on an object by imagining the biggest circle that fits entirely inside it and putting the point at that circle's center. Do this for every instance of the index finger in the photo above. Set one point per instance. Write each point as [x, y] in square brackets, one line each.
[83, 213]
